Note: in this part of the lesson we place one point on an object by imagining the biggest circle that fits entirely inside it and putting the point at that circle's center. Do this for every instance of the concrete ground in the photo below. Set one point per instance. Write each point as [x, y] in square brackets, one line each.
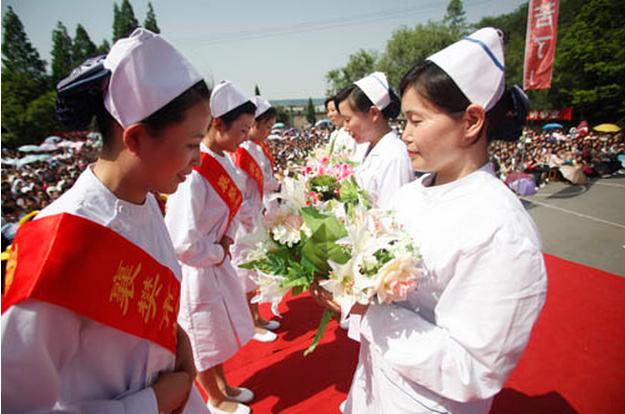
[584, 224]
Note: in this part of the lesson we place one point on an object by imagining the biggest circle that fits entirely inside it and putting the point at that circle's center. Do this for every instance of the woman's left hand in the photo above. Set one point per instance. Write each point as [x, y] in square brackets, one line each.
[184, 358]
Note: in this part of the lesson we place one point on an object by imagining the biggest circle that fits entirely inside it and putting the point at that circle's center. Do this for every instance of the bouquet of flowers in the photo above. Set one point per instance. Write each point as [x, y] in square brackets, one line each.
[325, 230]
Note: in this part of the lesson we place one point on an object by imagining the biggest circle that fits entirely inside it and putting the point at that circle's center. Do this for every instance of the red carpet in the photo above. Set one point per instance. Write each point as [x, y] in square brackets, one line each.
[575, 362]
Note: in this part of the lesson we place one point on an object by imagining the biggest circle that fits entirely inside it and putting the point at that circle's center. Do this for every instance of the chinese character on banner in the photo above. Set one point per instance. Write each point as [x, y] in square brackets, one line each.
[540, 43]
[124, 285]
[147, 304]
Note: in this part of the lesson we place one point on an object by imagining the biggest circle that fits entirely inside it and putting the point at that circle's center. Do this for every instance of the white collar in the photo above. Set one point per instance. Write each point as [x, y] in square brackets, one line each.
[99, 197]
[382, 145]
[457, 188]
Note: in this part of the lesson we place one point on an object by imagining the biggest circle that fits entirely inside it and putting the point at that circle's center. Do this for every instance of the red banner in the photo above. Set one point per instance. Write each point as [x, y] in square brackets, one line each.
[540, 43]
[565, 114]
[224, 185]
[87, 268]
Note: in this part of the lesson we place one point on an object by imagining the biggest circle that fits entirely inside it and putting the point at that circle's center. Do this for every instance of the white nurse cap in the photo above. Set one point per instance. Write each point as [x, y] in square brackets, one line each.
[375, 86]
[476, 65]
[262, 106]
[147, 73]
[225, 97]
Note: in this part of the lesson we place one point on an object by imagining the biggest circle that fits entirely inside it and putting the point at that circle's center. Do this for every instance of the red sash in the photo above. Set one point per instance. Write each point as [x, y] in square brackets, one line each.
[221, 181]
[89, 269]
[267, 151]
[244, 160]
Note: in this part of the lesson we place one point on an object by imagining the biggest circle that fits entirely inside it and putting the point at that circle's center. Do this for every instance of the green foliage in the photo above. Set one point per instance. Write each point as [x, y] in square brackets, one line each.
[590, 63]
[24, 80]
[18, 54]
[124, 20]
[150, 20]
[62, 62]
[321, 245]
[455, 17]
[104, 47]
[28, 93]
[325, 186]
[310, 112]
[282, 115]
[358, 65]
[407, 47]
[83, 47]
[256, 90]
[323, 324]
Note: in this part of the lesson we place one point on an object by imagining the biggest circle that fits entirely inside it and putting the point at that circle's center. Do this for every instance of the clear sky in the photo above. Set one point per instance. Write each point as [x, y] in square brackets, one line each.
[284, 46]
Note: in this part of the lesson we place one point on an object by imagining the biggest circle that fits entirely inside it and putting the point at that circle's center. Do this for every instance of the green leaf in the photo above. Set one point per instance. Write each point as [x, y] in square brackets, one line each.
[325, 319]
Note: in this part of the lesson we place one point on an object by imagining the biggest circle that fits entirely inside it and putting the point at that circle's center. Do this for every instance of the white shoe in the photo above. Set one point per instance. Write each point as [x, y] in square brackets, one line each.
[342, 406]
[245, 395]
[266, 336]
[271, 325]
[241, 409]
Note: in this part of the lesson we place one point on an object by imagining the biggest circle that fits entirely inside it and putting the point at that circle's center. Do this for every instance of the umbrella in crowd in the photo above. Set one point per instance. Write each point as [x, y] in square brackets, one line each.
[324, 123]
[552, 126]
[521, 183]
[607, 128]
[574, 174]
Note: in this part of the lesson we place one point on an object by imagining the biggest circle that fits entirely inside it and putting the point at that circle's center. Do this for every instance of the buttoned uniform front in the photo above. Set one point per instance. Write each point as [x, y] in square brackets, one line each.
[213, 308]
[451, 346]
[385, 169]
[54, 360]
[251, 213]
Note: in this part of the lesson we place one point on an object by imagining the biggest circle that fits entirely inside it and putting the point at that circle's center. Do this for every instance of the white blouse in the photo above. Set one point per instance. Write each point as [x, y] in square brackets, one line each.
[54, 360]
[385, 169]
[451, 346]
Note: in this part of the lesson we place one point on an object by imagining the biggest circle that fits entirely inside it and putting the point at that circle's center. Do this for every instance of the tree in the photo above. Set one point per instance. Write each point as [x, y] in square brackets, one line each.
[83, 47]
[358, 65]
[310, 112]
[282, 115]
[256, 90]
[61, 53]
[591, 62]
[455, 16]
[124, 20]
[104, 47]
[150, 20]
[24, 79]
[18, 54]
[406, 47]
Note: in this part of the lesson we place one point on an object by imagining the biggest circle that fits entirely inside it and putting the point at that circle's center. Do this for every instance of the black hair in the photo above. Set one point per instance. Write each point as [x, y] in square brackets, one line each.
[269, 113]
[328, 100]
[358, 101]
[232, 115]
[80, 98]
[504, 121]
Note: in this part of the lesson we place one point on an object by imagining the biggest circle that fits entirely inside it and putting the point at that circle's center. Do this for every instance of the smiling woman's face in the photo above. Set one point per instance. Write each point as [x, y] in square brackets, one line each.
[171, 155]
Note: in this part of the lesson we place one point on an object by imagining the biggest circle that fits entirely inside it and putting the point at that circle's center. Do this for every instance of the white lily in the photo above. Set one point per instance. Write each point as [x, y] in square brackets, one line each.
[292, 193]
[270, 290]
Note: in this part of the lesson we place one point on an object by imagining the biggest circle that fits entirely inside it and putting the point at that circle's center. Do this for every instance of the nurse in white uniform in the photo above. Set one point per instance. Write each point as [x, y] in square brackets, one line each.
[254, 165]
[80, 347]
[367, 106]
[340, 140]
[451, 346]
[202, 219]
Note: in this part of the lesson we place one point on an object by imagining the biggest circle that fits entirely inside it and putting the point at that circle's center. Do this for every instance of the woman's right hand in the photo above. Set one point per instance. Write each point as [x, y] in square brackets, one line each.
[172, 390]
[324, 298]
[225, 244]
